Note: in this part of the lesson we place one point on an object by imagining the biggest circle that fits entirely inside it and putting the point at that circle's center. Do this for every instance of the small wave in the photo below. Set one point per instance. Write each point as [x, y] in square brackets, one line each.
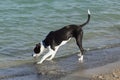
[103, 47]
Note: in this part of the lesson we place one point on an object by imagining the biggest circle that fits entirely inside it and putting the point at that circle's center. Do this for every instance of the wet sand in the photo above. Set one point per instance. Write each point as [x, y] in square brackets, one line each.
[112, 74]
[96, 66]
[107, 72]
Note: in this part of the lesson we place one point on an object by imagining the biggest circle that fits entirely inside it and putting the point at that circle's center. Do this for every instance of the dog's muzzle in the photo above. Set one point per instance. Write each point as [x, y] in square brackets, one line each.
[34, 55]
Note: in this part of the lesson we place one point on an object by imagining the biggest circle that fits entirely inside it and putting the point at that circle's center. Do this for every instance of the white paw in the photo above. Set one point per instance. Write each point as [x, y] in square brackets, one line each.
[39, 62]
[49, 59]
[81, 58]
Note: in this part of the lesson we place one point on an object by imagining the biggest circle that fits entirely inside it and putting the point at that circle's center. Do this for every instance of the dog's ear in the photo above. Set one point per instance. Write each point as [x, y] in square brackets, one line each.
[37, 45]
[37, 48]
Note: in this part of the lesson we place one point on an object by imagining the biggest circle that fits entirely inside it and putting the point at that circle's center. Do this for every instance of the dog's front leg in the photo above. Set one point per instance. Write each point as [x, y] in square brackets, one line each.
[50, 53]
[45, 57]
[53, 55]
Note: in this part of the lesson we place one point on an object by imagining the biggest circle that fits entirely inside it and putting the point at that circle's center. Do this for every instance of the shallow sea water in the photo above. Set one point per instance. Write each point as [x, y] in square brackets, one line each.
[23, 23]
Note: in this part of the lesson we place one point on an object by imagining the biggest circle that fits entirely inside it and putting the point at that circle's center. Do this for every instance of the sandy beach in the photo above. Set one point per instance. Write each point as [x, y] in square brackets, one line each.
[25, 23]
[108, 72]
[98, 65]
[113, 75]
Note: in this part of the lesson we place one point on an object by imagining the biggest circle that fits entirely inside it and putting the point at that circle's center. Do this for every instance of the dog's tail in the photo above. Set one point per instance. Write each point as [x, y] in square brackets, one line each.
[87, 19]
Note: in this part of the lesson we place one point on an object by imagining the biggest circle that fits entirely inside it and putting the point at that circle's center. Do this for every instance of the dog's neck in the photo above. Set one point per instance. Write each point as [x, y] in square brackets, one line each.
[43, 43]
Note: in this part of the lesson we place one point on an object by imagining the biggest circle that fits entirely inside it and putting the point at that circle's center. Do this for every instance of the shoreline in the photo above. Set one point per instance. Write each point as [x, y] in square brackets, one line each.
[96, 64]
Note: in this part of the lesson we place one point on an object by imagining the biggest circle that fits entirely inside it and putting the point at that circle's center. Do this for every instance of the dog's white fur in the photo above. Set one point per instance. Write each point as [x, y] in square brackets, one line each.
[51, 53]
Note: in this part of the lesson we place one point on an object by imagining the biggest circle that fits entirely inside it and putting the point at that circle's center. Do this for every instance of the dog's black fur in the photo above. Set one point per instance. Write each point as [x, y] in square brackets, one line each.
[37, 48]
[54, 38]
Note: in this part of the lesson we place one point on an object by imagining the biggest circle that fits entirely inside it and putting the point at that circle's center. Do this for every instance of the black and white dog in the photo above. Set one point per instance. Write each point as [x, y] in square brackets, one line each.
[57, 38]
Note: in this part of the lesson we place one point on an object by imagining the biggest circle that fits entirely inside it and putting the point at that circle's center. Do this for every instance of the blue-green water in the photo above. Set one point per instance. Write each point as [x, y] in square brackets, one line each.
[23, 23]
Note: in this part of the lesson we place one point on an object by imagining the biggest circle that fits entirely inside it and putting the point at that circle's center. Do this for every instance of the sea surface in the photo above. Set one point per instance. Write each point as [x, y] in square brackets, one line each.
[23, 23]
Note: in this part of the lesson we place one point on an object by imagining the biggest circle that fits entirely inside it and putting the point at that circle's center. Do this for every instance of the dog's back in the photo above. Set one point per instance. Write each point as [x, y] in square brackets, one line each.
[60, 37]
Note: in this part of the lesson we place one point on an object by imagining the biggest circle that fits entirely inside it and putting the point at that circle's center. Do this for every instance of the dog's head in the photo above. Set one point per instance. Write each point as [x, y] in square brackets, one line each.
[38, 50]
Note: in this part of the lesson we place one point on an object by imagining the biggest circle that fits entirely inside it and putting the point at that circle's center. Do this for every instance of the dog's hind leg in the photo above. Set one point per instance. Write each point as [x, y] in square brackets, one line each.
[79, 43]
